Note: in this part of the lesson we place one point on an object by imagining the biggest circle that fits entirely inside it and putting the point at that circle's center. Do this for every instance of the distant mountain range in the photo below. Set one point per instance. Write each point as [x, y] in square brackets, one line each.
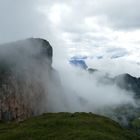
[124, 114]
[78, 62]
[124, 81]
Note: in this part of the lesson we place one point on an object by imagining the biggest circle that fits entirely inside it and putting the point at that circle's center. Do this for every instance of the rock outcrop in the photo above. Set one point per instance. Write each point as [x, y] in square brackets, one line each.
[23, 65]
[129, 83]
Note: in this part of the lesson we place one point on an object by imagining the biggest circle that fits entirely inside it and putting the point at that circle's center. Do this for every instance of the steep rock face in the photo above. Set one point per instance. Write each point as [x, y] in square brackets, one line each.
[128, 82]
[124, 81]
[24, 67]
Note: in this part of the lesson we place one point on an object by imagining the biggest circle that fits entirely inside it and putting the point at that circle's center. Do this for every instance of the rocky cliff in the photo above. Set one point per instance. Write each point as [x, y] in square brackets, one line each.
[23, 65]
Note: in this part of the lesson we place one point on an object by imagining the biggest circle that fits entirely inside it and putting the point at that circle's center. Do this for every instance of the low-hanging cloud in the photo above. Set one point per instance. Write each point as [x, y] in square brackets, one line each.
[85, 85]
[91, 32]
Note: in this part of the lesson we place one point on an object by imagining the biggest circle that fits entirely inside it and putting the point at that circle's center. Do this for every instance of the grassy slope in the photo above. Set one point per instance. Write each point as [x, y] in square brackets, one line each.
[65, 126]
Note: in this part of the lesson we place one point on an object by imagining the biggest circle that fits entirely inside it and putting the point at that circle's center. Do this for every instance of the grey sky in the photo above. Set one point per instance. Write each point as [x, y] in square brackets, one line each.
[75, 27]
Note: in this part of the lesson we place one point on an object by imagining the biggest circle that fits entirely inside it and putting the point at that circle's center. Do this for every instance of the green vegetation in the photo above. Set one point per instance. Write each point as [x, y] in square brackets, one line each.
[136, 125]
[65, 126]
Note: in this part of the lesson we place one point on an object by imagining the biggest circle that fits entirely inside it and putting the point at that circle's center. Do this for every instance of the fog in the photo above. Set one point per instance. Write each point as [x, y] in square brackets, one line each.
[94, 92]
[59, 87]
[85, 92]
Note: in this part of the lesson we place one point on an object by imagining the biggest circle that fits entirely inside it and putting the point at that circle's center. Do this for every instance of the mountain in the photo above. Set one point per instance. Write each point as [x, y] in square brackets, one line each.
[78, 62]
[124, 81]
[125, 114]
[25, 67]
[129, 83]
[66, 126]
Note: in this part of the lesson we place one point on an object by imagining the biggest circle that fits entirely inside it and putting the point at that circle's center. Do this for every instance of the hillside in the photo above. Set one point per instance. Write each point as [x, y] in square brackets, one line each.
[65, 126]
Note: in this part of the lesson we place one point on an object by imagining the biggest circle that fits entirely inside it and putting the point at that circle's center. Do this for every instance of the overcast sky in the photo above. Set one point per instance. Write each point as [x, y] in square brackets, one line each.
[99, 29]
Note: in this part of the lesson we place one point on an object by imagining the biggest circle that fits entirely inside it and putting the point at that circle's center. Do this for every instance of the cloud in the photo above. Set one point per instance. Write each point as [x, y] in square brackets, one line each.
[122, 14]
[84, 93]
[19, 19]
[80, 27]
[96, 29]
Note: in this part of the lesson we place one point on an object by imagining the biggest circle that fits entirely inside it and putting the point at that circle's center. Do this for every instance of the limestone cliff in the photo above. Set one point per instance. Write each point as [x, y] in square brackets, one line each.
[23, 65]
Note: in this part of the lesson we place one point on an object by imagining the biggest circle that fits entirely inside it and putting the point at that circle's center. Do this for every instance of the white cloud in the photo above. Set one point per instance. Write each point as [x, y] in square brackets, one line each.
[82, 27]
